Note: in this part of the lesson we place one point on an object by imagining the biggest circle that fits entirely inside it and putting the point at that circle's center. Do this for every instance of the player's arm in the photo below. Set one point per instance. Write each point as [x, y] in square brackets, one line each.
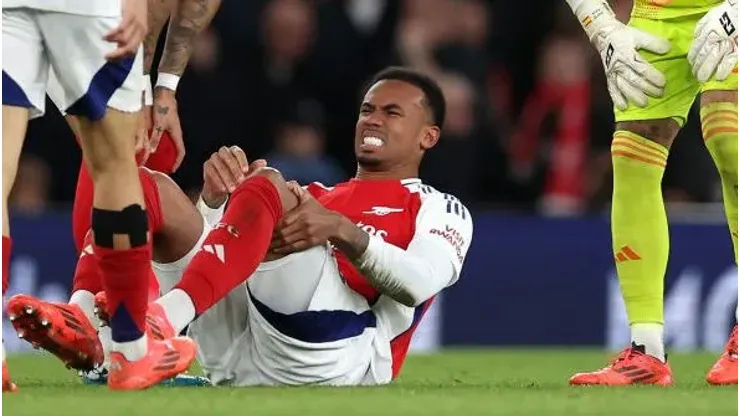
[188, 20]
[431, 262]
[159, 12]
[714, 49]
[630, 78]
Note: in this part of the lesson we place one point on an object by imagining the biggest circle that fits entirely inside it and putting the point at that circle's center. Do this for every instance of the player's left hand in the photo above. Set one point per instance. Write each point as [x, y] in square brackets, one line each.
[166, 118]
[307, 225]
[130, 33]
[714, 50]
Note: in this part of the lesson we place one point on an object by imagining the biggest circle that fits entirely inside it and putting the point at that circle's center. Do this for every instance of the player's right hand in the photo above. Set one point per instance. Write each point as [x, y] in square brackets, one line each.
[224, 172]
[629, 77]
[130, 33]
[165, 118]
[714, 50]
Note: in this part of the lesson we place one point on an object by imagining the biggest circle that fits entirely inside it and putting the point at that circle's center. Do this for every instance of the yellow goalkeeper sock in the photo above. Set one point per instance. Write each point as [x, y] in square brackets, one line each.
[640, 234]
[719, 128]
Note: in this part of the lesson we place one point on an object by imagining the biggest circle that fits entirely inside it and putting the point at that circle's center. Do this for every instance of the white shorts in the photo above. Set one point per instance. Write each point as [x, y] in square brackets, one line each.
[36, 42]
[294, 322]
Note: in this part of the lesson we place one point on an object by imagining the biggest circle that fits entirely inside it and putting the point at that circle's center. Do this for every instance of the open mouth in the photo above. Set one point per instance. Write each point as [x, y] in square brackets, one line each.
[372, 140]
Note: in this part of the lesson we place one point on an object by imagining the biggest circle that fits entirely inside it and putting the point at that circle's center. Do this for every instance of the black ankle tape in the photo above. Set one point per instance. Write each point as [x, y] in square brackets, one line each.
[131, 221]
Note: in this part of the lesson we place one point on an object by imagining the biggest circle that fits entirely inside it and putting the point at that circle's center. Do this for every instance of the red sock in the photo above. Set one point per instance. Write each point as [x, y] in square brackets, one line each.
[87, 275]
[125, 272]
[6, 263]
[126, 275]
[235, 247]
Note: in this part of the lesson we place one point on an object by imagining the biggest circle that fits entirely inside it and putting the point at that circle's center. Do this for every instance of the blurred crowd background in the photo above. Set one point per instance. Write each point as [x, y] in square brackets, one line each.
[529, 119]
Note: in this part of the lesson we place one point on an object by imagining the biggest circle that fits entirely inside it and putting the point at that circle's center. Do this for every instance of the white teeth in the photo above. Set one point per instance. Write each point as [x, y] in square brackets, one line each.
[372, 141]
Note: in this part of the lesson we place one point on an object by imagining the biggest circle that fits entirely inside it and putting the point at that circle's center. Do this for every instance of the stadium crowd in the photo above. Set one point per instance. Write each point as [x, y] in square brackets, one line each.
[528, 126]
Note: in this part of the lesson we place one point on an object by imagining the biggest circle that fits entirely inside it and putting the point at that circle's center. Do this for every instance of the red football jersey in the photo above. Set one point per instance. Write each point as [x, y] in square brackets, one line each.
[397, 211]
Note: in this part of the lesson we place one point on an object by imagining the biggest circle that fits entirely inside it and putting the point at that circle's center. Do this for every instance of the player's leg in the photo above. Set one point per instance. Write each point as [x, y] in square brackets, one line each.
[72, 328]
[225, 331]
[719, 128]
[639, 226]
[108, 99]
[57, 332]
[59, 338]
[233, 249]
[106, 132]
[241, 241]
[217, 331]
[25, 69]
[237, 245]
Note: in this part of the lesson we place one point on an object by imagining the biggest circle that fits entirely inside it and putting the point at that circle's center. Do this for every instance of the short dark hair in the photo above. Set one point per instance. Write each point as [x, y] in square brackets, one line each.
[433, 96]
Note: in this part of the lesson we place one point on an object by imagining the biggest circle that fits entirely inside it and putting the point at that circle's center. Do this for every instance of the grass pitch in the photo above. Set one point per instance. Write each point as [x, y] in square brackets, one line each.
[460, 383]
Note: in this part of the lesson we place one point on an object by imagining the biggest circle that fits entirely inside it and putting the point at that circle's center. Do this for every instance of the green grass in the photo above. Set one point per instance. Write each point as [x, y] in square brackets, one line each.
[480, 382]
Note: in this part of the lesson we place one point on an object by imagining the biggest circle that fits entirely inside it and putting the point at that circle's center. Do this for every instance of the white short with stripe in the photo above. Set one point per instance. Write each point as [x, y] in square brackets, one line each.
[294, 322]
[37, 42]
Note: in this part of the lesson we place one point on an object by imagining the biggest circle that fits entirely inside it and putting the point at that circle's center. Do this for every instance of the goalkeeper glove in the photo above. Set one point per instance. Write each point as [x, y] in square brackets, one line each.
[714, 50]
[629, 77]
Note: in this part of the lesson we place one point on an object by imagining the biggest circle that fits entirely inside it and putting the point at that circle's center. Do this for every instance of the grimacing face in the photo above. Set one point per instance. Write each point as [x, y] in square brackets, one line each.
[394, 126]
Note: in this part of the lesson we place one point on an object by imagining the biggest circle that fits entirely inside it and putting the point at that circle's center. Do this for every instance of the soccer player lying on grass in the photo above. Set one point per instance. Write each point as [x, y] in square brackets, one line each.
[669, 53]
[337, 279]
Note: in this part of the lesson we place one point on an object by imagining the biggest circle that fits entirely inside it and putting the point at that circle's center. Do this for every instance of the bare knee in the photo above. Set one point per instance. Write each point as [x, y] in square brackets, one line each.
[662, 131]
[728, 96]
[108, 144]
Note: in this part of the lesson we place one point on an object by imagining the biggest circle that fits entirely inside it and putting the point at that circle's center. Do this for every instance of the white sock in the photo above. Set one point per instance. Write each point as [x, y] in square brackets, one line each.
[651, 337]
[132, 350]
[106, 340]
[86, 301]
[178, 307]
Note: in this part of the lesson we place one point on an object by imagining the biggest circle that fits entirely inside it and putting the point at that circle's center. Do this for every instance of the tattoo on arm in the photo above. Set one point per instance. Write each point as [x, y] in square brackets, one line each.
[159, 11]
[188, 20]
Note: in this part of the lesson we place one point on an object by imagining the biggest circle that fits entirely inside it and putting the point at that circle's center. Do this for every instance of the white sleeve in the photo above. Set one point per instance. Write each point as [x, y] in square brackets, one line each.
[433, 259]
[211, 215]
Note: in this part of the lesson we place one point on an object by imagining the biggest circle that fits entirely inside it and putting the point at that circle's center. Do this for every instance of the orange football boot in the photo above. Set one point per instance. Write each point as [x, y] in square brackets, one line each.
[724, 371]
[164, 360]
[157, 325]
[632, 366]
[8, 386]
[59, 328]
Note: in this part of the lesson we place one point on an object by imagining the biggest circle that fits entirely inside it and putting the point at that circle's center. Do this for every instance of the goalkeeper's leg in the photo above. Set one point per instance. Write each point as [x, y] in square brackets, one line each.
[640, 243]
[639, 225]
[719, 128]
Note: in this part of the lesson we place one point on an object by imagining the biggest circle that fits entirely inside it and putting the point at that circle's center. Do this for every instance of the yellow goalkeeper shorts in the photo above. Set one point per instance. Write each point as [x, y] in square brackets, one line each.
[681, 86]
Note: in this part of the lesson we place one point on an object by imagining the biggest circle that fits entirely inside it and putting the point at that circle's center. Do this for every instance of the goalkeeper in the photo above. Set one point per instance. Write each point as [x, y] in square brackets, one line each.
[656, 65]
